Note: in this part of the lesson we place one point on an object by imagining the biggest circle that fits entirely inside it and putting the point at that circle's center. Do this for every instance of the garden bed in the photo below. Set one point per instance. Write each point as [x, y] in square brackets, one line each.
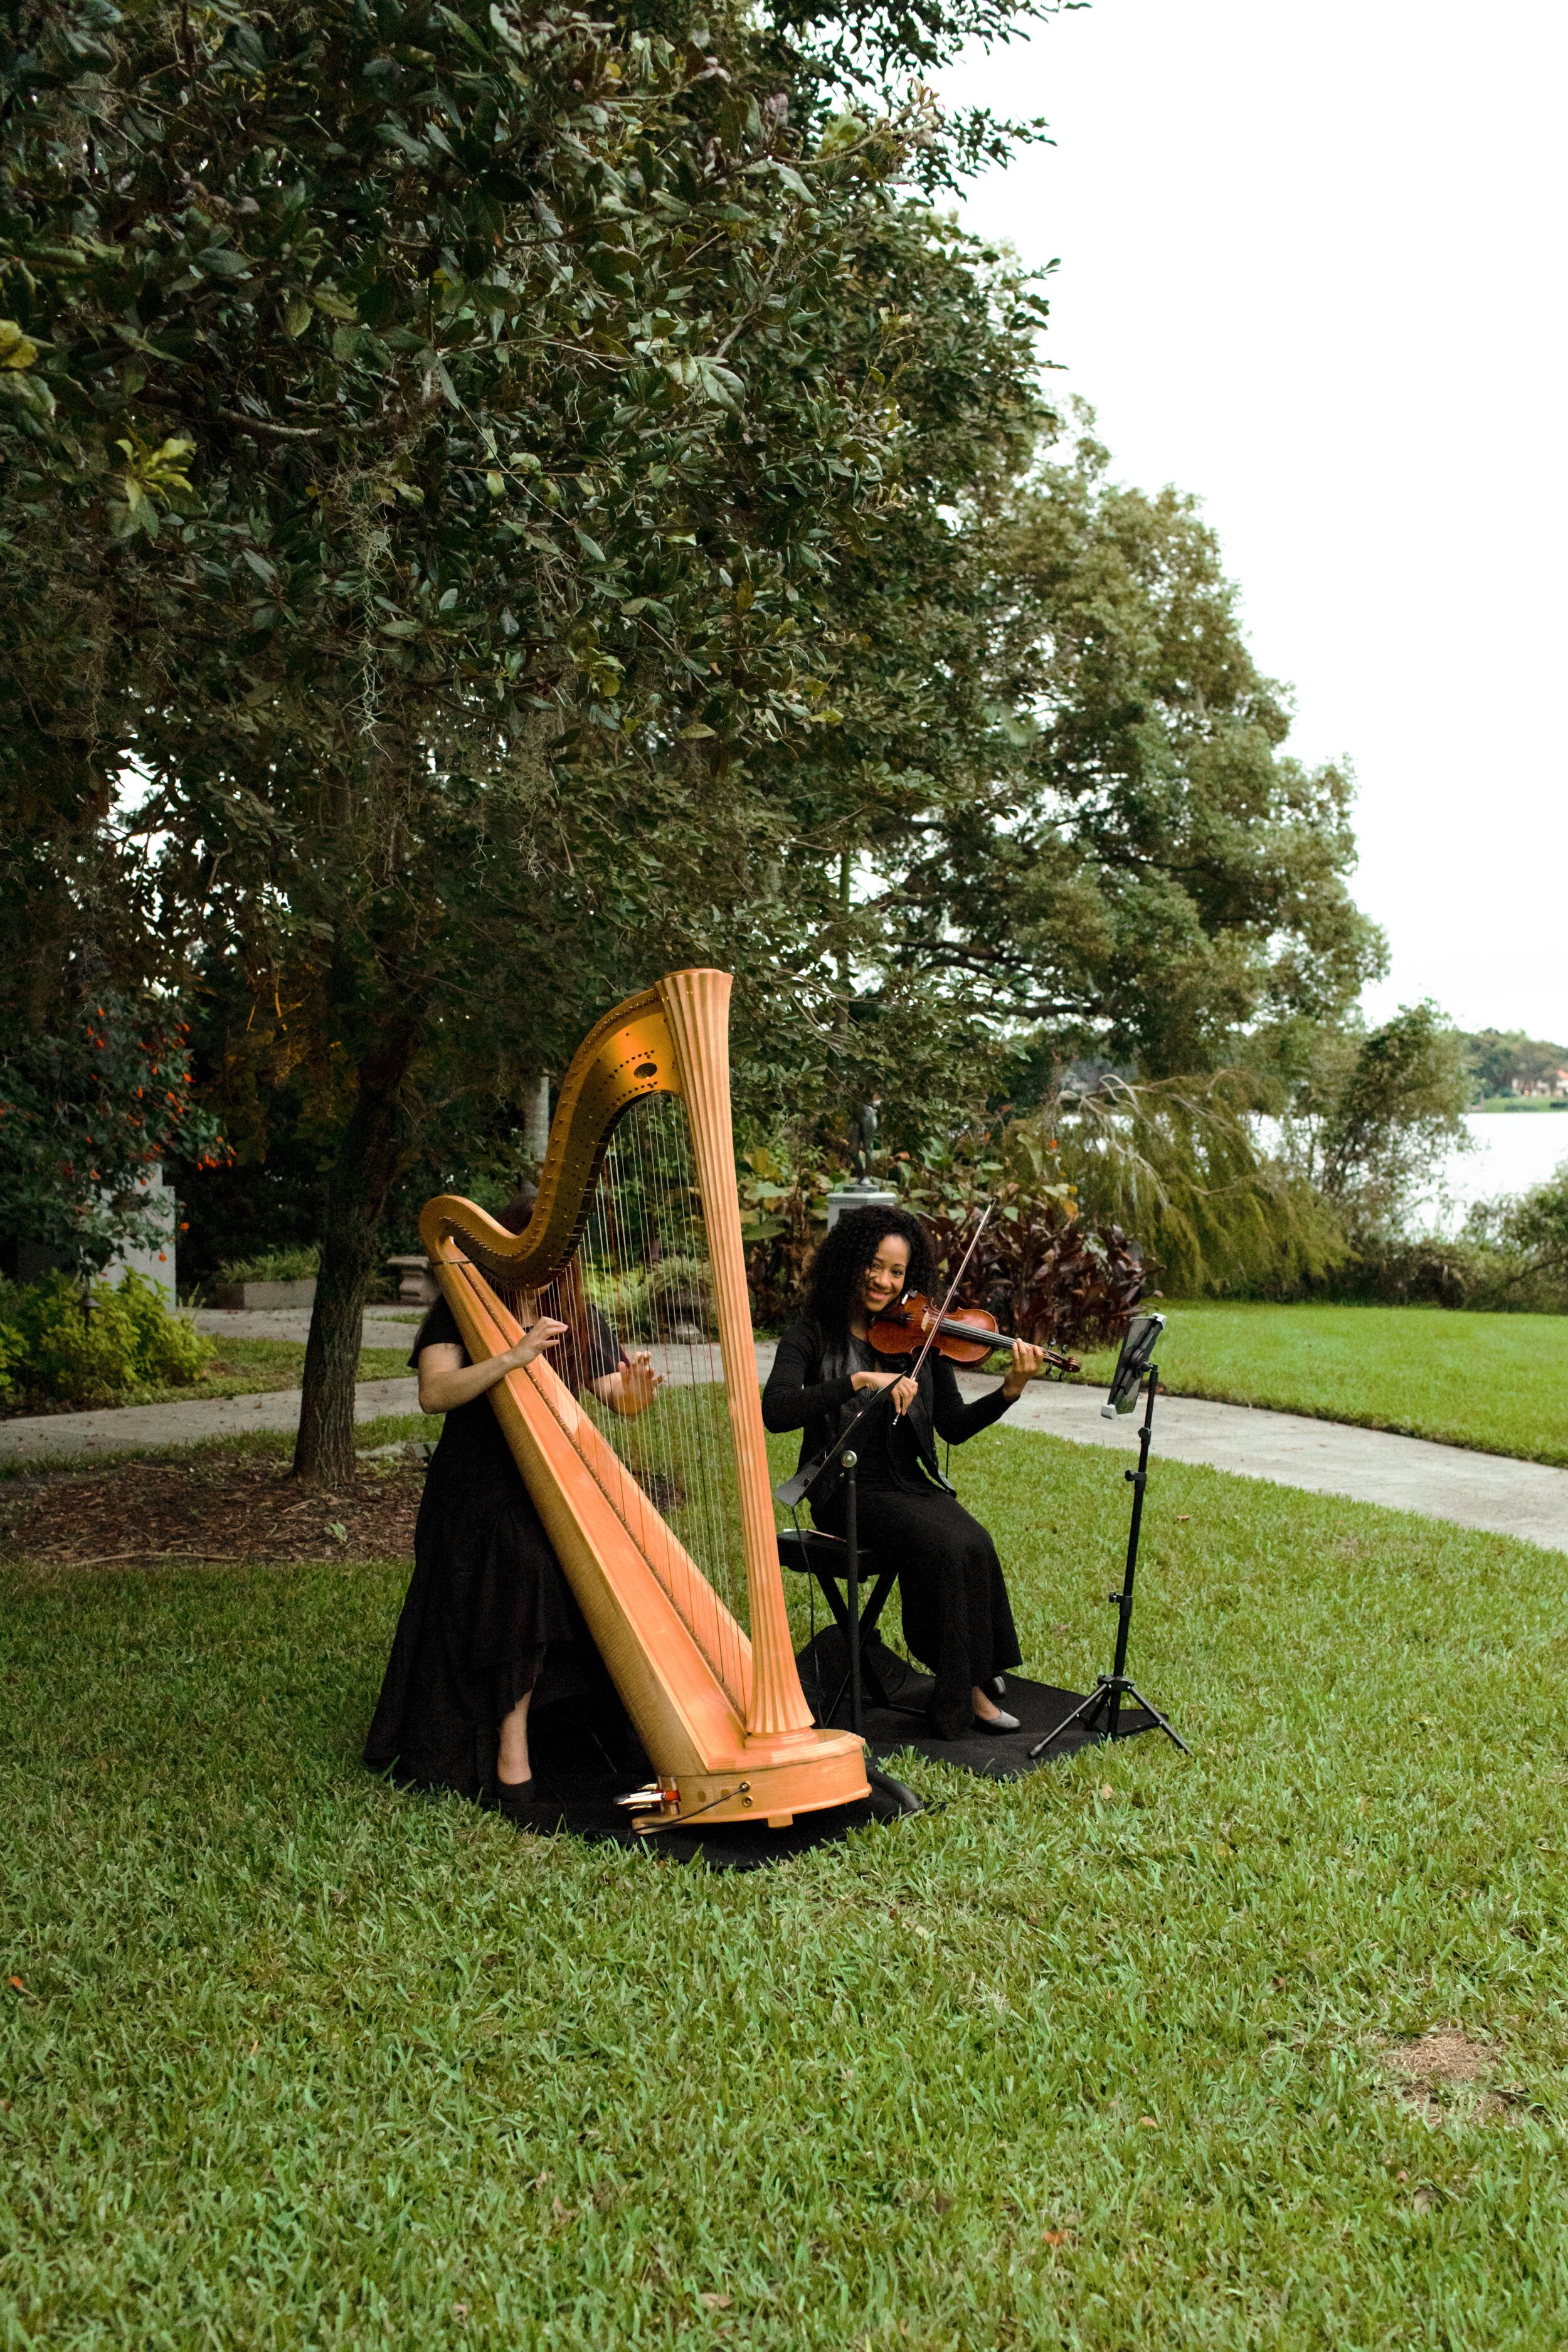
[211, 1507]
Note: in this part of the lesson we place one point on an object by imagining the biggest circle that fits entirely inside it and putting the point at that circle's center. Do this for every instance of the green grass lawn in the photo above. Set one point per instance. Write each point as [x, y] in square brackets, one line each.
[1497, 1382]
[256, 1367]
[1091, 2060]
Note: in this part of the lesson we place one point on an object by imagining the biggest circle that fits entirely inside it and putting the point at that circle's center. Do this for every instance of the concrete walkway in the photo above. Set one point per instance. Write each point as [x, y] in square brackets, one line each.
[119, 1429]
[1486, 1491]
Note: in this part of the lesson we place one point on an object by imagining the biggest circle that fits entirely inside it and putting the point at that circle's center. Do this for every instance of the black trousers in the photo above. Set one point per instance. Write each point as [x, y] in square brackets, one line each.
[958, 1620]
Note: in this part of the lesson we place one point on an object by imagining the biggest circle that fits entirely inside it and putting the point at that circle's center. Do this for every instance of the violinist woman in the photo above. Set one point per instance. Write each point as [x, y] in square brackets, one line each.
[490, 1626]
[957, 1619]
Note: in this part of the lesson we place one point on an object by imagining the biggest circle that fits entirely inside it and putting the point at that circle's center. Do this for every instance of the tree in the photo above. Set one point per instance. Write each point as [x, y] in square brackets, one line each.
[88, 1106]
[423, 452]
[1370, 1112]
[1534, 1227]
[1507, 1061]
[95, 1066]
[1118, 849]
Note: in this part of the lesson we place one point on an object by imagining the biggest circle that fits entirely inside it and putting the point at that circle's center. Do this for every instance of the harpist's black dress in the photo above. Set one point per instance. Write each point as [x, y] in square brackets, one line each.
[488, 1614]
[957, 1618]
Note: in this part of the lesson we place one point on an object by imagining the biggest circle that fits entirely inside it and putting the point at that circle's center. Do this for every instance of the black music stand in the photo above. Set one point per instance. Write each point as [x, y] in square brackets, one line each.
[1101, 1712]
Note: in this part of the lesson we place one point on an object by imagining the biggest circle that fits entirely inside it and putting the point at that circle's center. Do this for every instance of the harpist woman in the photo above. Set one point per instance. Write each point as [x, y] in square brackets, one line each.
[489, 1627]
[957, 1619]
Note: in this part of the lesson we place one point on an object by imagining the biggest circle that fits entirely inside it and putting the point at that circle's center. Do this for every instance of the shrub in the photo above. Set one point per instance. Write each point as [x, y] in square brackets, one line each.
[106, 1346]
[1180, 1164]
[272, 1265]
[783, 1215]
[170, 1351]
[1046, 1273]
[646, 1302]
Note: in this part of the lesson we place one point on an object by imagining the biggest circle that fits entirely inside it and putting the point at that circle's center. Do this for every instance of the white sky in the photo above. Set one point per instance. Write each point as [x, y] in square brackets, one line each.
[1311, 272]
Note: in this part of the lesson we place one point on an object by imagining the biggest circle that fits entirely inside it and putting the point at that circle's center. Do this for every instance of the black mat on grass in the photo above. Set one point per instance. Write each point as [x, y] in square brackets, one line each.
[579, 1779]
[579, 1774]
[903, 1724]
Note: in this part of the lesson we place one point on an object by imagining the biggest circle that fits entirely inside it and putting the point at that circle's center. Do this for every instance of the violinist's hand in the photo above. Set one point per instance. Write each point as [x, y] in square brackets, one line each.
[904, 1390]
[533, 1343]
[1027, 1361]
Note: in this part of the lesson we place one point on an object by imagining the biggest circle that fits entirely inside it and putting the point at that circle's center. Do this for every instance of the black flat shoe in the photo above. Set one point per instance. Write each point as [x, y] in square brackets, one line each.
[997, 1724]
[517, 1800]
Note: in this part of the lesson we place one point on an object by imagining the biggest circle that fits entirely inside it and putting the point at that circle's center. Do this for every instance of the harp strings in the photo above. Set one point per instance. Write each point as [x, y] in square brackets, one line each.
[643, 1267]
[678, 1323]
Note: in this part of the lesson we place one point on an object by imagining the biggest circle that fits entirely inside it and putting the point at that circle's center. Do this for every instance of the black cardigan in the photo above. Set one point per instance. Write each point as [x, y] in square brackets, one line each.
[797, 1397]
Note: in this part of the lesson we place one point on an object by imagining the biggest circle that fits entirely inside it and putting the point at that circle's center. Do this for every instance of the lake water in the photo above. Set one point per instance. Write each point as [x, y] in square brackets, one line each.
[1512, 1152]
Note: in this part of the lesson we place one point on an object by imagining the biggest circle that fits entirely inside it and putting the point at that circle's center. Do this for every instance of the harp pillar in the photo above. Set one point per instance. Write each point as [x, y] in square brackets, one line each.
[697, 1007]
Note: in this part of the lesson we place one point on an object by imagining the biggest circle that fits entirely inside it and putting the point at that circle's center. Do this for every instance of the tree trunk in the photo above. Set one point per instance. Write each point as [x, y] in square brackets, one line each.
[366, 1167]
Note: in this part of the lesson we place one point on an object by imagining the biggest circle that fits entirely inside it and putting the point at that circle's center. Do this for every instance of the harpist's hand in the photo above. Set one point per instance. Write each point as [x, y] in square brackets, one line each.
[639, 1383]
[533, 1343]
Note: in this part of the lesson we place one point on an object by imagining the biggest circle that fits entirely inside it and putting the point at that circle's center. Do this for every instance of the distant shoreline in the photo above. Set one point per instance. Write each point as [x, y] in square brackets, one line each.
[1521, 1102]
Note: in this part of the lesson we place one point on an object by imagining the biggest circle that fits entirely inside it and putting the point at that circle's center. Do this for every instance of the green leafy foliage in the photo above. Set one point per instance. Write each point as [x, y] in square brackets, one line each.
[86, 1109]
[1368, 1111]
[101, 1344]
[1101, 831]
[271, 1265]
[1181, 1163]
[1507, 1062]
[648, 1302]
[1536, 1225]
[442, 426]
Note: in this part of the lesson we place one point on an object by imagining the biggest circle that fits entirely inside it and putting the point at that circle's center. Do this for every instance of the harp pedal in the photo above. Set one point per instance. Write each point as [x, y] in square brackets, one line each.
[651, 1800]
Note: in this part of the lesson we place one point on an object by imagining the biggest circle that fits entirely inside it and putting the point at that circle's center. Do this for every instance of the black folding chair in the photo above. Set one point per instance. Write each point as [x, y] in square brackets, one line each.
[826, 1558]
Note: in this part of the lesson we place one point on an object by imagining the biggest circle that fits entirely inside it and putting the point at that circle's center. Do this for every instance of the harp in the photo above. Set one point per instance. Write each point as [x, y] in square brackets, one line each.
[663, 1524]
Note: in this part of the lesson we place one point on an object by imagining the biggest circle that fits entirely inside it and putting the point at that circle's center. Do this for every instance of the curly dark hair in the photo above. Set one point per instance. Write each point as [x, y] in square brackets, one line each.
[840, 1265]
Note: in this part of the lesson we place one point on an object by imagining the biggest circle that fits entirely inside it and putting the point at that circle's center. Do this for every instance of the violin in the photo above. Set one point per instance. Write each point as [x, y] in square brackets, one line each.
[967, 1337]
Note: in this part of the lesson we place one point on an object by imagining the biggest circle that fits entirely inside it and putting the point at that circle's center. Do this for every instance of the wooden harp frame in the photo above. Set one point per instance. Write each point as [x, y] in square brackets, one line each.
[738, 1746]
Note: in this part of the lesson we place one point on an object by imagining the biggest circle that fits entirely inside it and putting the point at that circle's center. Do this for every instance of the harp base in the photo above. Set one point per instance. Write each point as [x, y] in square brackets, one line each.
[826, 1770]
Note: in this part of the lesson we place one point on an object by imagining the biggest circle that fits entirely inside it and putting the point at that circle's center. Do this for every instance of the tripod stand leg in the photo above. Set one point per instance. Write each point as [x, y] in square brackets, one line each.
[1132, 1691]
[1086, 1709]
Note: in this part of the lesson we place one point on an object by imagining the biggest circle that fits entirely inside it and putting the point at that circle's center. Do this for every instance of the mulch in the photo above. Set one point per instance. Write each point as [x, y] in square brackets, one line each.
[222, 1509]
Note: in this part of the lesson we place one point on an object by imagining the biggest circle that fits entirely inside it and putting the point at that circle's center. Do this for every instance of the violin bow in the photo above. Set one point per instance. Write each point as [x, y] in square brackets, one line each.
[935, 1332]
